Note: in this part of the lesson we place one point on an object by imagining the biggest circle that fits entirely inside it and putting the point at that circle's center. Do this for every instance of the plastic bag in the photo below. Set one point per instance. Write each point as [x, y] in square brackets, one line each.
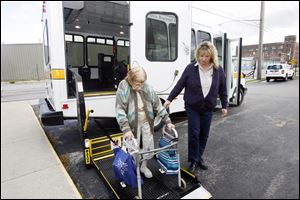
[125, 168]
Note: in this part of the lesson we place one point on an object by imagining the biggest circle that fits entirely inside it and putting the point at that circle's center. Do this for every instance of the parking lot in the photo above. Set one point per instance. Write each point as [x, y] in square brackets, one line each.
[252, 153]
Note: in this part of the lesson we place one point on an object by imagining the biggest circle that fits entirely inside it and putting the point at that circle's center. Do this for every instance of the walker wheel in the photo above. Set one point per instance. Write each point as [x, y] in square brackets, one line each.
[183, 184]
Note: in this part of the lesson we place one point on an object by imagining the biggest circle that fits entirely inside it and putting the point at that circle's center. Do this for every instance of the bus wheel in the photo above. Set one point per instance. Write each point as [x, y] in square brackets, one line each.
[233, 99]
[241, 96]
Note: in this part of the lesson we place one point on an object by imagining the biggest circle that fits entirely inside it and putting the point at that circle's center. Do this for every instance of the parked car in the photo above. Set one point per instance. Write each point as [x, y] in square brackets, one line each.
[279, 71]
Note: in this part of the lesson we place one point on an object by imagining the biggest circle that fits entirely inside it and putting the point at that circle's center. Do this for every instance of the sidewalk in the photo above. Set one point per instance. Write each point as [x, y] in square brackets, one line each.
[30, 168]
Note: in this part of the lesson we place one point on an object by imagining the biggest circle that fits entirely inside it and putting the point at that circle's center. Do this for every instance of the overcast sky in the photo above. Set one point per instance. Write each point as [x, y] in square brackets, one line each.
[238, 18]
[21, 21]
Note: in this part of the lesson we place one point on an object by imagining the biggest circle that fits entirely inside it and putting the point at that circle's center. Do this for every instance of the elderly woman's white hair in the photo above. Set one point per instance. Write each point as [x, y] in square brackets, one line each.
[207, 48]
[136, 74]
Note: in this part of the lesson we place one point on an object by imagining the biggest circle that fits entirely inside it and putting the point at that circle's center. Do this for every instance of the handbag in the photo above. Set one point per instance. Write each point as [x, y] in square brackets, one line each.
[168, 159]
[124, 168]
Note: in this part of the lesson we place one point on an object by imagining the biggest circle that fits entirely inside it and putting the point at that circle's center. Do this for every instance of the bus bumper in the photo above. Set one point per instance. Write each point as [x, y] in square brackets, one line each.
[48, 116]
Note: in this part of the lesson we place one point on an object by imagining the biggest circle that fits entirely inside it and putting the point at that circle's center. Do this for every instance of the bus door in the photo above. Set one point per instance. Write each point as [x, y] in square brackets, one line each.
[233, 71]
[219, 40]
[220, 44]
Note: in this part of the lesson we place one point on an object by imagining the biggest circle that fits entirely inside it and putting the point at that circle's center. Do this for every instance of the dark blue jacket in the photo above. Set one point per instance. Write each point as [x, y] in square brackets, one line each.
[193, 95]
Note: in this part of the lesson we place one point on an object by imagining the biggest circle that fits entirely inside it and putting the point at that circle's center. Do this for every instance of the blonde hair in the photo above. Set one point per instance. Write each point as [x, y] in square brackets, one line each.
[209, 49]
[136, 74]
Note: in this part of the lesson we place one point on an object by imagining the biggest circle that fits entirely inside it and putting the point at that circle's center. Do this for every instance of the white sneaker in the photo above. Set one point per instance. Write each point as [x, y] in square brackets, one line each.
[146, 172]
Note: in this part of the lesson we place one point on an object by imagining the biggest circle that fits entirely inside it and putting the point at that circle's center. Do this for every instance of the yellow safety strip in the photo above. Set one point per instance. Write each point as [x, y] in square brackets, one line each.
[87, 156]
[94, 163]
[100, 147]
[107, 156]
[235, 75]
[58, 74]
[91, 153]
[90, 94]
[110, 185]
[101, 140]
[104, 139]
[106, 180]
[102, 152]
[192, 175]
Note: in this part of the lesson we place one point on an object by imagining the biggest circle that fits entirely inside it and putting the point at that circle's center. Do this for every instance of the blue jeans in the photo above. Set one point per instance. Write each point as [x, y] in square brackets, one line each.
[198, 130]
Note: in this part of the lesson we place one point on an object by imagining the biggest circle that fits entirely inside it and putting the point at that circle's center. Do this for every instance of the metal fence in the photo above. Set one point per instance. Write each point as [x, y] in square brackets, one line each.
[22, 62]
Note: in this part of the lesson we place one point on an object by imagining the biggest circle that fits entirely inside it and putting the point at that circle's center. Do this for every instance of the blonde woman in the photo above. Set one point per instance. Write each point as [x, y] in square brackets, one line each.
[203, 81]
[136, 107]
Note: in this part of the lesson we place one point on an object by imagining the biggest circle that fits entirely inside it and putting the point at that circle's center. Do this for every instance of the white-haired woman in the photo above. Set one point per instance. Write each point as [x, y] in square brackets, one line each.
[136, 107]
[203, 81]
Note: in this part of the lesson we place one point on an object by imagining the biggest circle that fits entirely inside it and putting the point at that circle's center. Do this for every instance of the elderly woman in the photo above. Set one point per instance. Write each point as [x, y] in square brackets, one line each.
[136, 107]
[203, 81]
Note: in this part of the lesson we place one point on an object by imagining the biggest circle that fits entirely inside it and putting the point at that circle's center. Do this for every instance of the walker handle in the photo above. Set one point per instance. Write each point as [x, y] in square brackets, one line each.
[168, 134]
[134, 148]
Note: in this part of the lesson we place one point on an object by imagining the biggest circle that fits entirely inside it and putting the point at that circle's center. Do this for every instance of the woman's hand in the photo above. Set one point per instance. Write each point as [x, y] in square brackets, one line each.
[224, 112]
[170, 126]
[167, 104]
[128, 135]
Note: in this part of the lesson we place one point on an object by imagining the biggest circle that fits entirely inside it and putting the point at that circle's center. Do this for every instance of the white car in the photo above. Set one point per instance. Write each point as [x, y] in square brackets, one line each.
[279, 71]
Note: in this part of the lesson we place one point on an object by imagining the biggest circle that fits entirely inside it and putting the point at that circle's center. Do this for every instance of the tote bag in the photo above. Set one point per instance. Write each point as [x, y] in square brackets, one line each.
[167, 159]
[125, 168]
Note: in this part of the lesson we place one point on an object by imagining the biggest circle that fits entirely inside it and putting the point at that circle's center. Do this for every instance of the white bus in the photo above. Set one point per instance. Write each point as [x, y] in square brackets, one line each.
[101, 40]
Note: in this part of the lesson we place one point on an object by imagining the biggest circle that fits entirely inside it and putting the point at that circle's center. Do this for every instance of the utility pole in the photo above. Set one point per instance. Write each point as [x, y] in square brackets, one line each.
[261, 35]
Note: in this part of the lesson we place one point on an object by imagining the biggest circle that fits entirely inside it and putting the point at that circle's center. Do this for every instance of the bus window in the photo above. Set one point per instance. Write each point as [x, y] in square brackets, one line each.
[122, 51]
[161, 37]
[193, 44]
[203, 36]
[46, 44]
[96, 46]
[74, 50]
[173, 41]
[218, 44]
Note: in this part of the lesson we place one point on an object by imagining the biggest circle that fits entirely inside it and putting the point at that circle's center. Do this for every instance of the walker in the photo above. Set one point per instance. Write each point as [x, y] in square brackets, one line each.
[167, 156]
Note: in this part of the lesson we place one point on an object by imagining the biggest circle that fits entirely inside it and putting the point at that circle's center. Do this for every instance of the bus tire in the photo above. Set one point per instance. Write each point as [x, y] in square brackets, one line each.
[241, 96]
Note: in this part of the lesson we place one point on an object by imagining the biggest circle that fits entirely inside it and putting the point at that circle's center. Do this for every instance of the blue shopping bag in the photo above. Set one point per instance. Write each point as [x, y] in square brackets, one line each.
[125, 168]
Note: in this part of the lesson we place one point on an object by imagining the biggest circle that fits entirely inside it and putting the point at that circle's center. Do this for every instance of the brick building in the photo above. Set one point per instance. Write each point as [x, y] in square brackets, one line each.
[277, 52]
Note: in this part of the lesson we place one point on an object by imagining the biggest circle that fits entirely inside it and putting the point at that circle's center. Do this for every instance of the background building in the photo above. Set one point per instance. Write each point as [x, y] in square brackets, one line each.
[22, 62]
[278, 52]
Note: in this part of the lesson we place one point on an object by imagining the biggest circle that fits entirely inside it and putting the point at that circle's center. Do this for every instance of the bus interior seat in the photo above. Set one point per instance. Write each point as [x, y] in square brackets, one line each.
[106, 70]
[85, 73]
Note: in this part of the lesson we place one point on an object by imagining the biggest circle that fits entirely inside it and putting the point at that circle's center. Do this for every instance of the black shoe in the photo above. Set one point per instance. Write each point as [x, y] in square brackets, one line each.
[202, 165]
[193, 167]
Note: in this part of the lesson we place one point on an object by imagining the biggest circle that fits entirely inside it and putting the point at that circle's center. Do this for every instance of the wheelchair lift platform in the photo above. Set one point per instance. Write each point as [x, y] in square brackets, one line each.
[160, 186]
[98, 153]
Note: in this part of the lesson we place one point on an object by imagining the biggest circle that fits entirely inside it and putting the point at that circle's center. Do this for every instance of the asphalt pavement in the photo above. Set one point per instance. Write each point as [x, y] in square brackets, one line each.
[252, 153]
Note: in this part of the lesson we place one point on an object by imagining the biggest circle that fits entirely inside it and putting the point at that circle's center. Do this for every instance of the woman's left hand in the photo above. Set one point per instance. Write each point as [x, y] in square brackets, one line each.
[170, 126]
[224, 112]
